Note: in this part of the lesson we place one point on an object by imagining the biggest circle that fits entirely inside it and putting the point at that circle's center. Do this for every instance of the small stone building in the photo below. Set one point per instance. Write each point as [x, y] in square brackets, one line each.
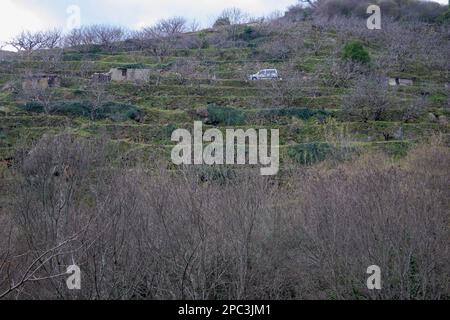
[400, 82]
[41, 81]
[101, 77]
[125, 74]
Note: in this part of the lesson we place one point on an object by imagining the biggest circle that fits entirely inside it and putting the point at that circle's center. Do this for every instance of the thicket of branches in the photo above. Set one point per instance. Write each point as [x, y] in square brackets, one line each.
[153, 234]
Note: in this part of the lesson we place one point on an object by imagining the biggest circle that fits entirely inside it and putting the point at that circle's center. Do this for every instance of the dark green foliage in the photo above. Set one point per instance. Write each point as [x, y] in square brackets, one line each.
[356, 52]
[166, 131]
[71, 108]
[225, 115]
[32, 107]
[80, 56]
[396, 149]
[118, 112]
[249, 33]
[310, 153]
[110, 110]
[444, 18]
[133, 66]
[301, 113]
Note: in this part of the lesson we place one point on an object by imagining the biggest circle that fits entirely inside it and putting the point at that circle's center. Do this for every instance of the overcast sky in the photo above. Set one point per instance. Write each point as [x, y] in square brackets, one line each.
[18, 15]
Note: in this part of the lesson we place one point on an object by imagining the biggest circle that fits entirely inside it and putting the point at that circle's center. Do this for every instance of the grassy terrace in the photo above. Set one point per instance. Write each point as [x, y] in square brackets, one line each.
[174, 101]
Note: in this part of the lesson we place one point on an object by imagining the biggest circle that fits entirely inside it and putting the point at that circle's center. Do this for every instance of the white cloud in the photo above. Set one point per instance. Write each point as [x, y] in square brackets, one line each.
[138, 12]
[14, 18]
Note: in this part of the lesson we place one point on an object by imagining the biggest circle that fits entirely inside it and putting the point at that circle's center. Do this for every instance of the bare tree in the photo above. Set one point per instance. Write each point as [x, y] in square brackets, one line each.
[28, 41]
[170, 27]
[107, 35]
[194, 26]
[52, 38]
[369, 98]
[74, 38]
[234, 15]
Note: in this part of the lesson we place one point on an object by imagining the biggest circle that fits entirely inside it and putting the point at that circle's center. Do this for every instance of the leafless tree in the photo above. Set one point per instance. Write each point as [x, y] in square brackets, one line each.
[369, 98]
[194, 26]
[52, 38]
[169, 27]
[28, 41]
[74, 38]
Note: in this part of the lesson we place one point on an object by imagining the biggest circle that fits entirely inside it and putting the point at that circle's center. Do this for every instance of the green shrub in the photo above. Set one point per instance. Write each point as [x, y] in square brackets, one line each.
[439, 98]
[110, 110]
[310, 153]
[249, 33]
[71, 108]
[118, 112]
[225, 115]
[133, 66]
[33, 106]
[356, 52]
[444, 18]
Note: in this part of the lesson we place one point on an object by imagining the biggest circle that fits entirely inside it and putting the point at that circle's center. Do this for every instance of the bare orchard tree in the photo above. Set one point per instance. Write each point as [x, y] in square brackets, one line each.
[107, 35]
[97, 95]
[74, 38]
[161, 38]
[53, 39]
[43, 95]
[232, 18]
[170, 27]
[28, 41]
[336, 73]
[369, 99]
[194, 26]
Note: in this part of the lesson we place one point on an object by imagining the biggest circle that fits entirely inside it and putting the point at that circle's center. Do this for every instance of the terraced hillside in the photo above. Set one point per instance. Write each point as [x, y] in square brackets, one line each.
[209, 83]
[86, 177]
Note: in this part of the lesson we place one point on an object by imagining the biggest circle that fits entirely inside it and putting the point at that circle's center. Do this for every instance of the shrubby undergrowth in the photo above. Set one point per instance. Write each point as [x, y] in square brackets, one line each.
[156, 234]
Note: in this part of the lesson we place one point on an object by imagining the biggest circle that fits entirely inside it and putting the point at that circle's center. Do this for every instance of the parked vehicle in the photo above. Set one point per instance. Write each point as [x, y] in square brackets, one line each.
[266, 74]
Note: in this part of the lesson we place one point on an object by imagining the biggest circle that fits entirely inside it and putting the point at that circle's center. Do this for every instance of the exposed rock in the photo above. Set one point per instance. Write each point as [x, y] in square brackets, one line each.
[432, 117]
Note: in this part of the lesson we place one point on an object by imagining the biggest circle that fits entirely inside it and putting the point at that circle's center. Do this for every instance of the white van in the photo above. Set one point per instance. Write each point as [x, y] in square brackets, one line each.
[266, 74]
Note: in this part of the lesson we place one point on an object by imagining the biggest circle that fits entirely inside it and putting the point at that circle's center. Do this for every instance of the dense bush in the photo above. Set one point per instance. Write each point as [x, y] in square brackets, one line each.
[118, 112]
[249, 33]
[225, 115]
[33, 106]
[71, 108]
[109, 110]
[356, 52]
[133, 66]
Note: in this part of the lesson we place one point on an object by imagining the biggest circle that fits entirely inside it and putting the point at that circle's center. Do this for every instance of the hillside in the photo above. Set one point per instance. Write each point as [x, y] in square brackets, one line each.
[186, 81]
[87, 179]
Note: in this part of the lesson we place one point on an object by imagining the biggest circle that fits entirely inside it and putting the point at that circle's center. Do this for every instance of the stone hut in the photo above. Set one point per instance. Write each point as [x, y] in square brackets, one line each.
[41, 81]
[101, 78]
[400, 82]
[127, 74]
